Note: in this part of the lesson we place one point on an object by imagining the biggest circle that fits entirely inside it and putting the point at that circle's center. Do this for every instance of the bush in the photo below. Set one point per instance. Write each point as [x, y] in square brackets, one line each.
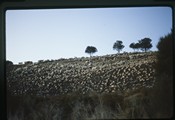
[77, 106]
[9, 63]
[162, 95]
[165, 55]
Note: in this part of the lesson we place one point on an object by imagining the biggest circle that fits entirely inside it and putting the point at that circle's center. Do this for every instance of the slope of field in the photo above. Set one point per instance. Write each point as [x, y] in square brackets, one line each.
[105, 74]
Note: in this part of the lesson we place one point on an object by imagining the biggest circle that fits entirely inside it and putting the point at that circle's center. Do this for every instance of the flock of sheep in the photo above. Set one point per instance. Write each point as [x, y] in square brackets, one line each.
[109, 73]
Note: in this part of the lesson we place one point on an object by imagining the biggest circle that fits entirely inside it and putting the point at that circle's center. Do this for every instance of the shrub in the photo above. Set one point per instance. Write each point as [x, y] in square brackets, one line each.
[9, 63]
[165, 54]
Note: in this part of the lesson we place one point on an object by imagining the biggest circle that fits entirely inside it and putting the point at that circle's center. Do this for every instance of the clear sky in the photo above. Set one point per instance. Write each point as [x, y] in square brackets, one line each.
[33, 35]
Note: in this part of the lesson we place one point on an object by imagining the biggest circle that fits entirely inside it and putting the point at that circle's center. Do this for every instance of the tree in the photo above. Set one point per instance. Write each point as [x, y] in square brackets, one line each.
[137, 46]
[9, 63]
[90, 50]
[145, 44]
[132, 45]
[118, 46]
[163, 92]
[165, 54]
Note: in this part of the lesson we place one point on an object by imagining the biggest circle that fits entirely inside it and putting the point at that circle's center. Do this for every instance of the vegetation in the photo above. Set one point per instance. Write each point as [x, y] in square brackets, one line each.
[165, 54]
[145, 44]
[163, 92]
[8, 63]
[90, 50]
[118, 45]
[132, 45]
[77, 106]
[140, 103]
[135, 46]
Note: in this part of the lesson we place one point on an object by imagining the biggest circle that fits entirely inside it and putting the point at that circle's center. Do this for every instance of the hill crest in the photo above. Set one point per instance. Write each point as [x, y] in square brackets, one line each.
[109, 73]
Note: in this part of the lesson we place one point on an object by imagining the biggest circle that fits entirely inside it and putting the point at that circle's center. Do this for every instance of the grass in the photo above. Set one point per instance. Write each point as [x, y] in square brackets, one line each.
[70, 107]
[140, 103]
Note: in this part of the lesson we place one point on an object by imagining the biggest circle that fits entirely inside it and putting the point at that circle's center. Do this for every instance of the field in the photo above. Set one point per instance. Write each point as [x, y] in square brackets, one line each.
[117, 86]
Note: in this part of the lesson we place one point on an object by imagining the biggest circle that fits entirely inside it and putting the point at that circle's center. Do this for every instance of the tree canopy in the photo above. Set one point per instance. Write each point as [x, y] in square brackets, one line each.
[145, 44]
[134, 46]
[8, 62]
[90, 50]
[165, 54]
[118, 45]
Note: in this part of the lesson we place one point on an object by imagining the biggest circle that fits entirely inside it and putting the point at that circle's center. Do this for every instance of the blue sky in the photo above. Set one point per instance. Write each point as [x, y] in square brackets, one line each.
[33, 35]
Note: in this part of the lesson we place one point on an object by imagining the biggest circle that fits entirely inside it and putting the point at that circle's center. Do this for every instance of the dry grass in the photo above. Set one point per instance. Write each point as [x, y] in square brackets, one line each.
[140, 103]
[72, 107]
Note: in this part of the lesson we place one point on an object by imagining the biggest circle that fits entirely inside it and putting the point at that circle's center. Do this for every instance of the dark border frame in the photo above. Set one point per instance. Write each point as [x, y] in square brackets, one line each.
[56, 4]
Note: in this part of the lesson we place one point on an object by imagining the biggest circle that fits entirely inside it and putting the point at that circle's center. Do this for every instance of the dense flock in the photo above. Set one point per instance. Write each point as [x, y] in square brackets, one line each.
[104, 74]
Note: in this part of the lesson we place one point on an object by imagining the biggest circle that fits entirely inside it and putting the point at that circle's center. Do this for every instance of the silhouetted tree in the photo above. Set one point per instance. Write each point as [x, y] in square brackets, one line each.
[132, 45]
[90, 50]
[165, 54]
[118, 46]
[137, 46]
[163, 91]
[145, 44]
[8, 63]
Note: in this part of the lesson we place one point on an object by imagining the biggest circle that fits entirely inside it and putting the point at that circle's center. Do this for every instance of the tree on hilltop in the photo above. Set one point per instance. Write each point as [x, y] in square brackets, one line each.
[133, 46]
[118, 45]
[90, 50]
[145, 44]
[137, 46]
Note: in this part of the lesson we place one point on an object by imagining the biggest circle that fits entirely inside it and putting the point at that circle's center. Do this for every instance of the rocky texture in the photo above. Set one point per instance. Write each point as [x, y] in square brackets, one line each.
[109, 73]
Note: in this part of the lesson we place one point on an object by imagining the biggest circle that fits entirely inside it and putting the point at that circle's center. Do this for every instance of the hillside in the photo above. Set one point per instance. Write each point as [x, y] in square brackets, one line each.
[106, 74]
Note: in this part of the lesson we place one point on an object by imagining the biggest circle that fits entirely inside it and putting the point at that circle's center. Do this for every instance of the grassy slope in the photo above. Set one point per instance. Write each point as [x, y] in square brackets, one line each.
[141, 102]
[107, 74]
